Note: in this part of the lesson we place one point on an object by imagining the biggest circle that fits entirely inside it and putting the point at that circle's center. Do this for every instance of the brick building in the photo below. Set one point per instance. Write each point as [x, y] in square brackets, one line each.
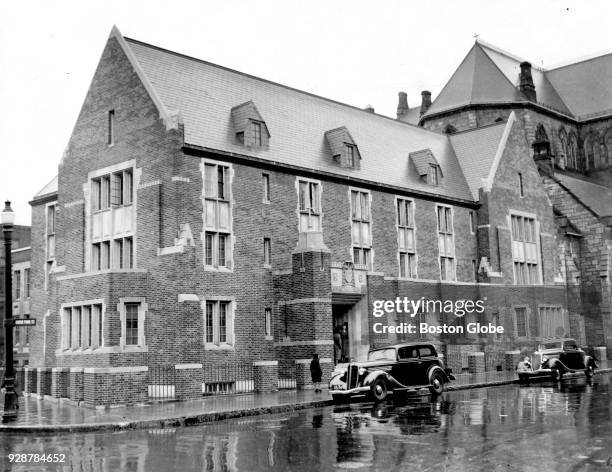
[203, 218]
[21, 291]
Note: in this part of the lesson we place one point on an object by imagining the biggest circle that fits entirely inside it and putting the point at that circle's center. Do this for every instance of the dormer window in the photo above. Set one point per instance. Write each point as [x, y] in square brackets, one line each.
[343, 147]
[432, 175]
[427, 166]
[250, 128]
[350, 155]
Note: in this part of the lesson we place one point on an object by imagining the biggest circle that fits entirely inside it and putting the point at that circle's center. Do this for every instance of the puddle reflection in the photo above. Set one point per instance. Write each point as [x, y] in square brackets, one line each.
[545, 426]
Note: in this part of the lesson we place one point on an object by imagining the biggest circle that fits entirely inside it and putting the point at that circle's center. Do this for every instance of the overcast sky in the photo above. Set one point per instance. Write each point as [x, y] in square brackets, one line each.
[357, 52]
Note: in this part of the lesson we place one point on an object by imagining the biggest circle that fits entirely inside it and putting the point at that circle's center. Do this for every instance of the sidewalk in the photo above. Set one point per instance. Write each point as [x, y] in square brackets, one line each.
[45, 416]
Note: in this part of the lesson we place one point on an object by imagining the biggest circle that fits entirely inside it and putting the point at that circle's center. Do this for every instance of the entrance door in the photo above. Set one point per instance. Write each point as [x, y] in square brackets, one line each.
[341, 332]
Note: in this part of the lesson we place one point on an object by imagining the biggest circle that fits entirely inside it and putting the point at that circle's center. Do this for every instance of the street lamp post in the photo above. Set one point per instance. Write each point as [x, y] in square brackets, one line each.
[7, 219]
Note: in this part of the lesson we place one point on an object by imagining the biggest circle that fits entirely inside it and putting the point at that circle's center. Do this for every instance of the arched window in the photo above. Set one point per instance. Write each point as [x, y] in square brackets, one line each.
[450, 129]
[541, 135]
[589, 151]
[563, 150]
[541, 143]
[606, 150]
[573, 151]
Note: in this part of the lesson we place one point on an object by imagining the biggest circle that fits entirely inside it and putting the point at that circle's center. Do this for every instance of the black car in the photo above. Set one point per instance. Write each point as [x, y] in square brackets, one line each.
[395, 368]
[558, 357]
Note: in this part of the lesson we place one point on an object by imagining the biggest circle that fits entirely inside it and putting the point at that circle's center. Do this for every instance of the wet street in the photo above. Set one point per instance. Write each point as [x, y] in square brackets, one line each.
[544, 427]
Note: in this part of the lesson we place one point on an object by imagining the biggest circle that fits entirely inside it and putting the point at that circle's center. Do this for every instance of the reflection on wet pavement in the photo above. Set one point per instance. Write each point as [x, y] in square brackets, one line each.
[548, 426]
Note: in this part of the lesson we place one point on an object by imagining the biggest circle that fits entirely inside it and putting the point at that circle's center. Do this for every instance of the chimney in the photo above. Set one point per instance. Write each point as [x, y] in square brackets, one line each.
[526, 82]
[425, 101]
[369, 108]
[402, 105]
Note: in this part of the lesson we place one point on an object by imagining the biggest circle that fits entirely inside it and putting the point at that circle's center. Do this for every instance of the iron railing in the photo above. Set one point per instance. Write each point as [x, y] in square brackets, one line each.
[227, 378]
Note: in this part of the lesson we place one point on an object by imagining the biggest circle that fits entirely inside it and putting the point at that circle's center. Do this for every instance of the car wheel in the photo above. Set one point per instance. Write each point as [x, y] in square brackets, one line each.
[379, 390]
[557, 374]
[436, 383]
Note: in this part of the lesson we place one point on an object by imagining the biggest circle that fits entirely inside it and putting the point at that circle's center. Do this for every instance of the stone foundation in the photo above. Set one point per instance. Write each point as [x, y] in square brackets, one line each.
[43, 381]
[115, 385]
[265, 376]
[60, 382]
[188, 381]
[75, 390]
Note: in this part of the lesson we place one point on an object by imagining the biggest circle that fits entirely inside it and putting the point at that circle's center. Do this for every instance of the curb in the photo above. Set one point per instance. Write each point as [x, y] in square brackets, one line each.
[217, 416]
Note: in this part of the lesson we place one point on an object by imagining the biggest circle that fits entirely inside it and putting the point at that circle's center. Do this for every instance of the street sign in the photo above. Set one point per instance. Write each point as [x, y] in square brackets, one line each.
[25, 321]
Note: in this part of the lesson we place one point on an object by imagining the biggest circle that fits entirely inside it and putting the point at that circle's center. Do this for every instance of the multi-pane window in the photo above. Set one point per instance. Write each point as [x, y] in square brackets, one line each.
[268, 322]
[112, 196]
[521, 321]
[265, 180]
[218, 323]
[406, 238]
[520, 182]
[17, 284]
[217, 251]
[267, 252]
[350, 155]
[553, 322]
[524, 250]
[82, 326]
[309, 205]
[361, 227]
[446, 243]
[131, 324]
[472, 222]
[26, 282]
[49, 241]
[433, 177]
[256, 133]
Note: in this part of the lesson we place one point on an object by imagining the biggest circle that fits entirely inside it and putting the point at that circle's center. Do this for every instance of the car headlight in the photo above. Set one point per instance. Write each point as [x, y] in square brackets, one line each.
[362, 371]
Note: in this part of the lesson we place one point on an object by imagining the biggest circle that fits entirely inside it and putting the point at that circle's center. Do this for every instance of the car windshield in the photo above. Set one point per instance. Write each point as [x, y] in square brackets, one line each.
[570, 345]
[555, 345]
[388, 354]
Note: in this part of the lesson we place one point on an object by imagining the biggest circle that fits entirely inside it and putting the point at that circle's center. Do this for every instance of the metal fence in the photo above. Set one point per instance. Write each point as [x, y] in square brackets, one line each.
[227, 378]
[162, 382]
[286, 375]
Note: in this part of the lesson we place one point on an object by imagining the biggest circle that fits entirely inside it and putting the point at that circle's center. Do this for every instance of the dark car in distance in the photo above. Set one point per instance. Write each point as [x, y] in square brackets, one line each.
[558, 357]
[395, 368]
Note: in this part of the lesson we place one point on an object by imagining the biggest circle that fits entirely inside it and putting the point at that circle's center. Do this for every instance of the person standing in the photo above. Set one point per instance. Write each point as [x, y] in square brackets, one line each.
[315, 372]
[337, 345]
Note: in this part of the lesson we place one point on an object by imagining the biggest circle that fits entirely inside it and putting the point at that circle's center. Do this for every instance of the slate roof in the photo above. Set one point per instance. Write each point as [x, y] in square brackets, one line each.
[489, 75]
[51, 187]
[204, 94]
[596, 197]
[476, 151]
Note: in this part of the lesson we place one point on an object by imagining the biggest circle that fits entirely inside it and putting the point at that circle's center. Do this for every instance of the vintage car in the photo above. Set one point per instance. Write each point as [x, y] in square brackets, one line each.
[390, 369]
[558, 357]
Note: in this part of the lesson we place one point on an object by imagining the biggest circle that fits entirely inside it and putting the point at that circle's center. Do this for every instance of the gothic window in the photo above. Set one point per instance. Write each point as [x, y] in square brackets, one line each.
[564, 147]
[541, 144]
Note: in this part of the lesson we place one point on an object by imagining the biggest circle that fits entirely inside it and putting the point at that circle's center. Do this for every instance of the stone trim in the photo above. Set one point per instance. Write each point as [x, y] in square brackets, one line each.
[299, 301]
[114, 370]
[187, 366]
[60, 369]
[323, 360]
[102, 272]
[164, 251]
[74, 203]
[316, 342]
[487, 183]
[188, 297]
[152, 183]
[76, 369]
[265, 363]
[178, 178]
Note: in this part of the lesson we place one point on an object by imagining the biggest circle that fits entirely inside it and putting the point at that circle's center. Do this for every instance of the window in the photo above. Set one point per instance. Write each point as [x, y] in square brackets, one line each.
[446, 243]
[82, 326]
[350, 154]
[406, 238]
[112, 195]
[218, 321]
[50, 242]
[268, 322]
[553, 322]
[111, 128]
[131, 324]
[267, 250]
[474, 270]
[361, 227]
[472, 222]
[132, 311]
[256, 133]
[309, 205]
[524, 250]
[520, 182]
[17, 284]
[433, 175]
[217, 215]
[26, 282]
[520, 314]
[265, 178]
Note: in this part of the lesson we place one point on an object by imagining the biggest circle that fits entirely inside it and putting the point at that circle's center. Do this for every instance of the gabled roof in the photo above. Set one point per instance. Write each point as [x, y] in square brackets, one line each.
[202, 94]
[51, 187]
[490, 75]
[422, 160]
[479, 151]
[595, 197]
[337, 138]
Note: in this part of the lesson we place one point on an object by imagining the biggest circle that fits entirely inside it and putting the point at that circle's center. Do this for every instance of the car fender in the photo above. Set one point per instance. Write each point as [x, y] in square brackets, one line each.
[557, 364]
[435, 368]
[375, 374]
